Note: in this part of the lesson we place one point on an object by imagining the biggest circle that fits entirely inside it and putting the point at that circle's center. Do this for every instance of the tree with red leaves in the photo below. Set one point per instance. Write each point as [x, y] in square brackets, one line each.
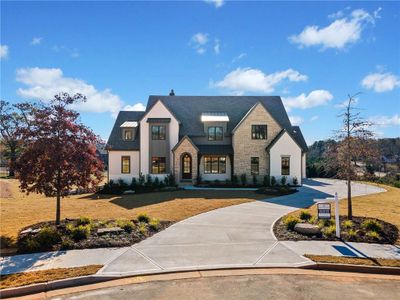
[59, 152]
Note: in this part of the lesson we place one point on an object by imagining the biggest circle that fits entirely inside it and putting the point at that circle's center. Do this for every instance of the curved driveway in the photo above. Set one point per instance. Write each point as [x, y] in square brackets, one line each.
[230, 237]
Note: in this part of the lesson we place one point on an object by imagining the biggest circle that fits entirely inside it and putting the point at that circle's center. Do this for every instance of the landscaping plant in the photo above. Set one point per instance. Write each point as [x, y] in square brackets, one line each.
[243, 179]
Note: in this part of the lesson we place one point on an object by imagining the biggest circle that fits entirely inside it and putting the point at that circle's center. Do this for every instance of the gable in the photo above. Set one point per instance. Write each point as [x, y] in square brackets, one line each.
[282, 142]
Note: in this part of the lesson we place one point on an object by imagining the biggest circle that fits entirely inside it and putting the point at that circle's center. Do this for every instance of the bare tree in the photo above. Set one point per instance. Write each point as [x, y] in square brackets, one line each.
[354, 140]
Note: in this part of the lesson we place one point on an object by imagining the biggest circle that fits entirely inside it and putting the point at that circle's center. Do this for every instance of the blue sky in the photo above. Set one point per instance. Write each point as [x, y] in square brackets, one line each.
[312, 54]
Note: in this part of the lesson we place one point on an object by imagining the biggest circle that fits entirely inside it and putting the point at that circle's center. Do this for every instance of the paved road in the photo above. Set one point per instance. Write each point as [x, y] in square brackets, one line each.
[252, 287]
[230, 237]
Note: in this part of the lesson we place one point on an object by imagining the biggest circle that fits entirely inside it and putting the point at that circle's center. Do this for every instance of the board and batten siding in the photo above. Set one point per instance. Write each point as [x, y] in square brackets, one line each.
[286, 146]
[114, 165]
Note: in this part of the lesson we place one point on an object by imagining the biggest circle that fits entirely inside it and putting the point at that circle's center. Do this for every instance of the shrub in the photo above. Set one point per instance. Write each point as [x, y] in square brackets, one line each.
[142, 228]
[373, 235]
[305, 215]
[67, 243]
[217, 182]
[144, 218]
[142, 179]
[122, 184]
[290, 222]
[234, 179]
[156, 183]
[199, 179]
[283, 180]
[83, 221]
[149, 180]
[347, 224]
[243, 179]
[254, 179]
[80, 232]
[326, 223]
[352, 233]
[133, 183]
[330, 231]
[154, 224]
[295, 181]
[266, 181]
[126, 225]
[372, 225]
[29, 244]
[169, 180]
[273, 181]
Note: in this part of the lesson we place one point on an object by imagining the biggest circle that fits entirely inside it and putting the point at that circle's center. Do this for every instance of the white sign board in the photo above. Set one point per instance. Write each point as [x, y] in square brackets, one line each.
[324, 210]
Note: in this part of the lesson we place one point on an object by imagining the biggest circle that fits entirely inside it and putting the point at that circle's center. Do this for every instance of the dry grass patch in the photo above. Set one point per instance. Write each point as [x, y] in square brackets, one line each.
[354, 260]
[20, 279]
[21, 210]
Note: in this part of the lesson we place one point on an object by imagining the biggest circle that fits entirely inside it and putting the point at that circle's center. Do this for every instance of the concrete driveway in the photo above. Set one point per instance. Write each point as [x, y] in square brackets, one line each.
[230, 237]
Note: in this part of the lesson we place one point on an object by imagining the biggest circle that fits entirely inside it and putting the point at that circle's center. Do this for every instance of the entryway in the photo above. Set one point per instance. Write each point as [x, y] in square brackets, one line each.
[186, 163]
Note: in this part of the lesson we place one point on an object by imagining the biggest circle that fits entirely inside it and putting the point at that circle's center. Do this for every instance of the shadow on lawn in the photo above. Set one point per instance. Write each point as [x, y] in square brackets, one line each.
[139, 200]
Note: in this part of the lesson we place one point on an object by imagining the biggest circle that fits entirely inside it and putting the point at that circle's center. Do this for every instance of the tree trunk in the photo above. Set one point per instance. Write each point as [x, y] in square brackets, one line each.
[13, 158]
[58, 209]
[349, 204]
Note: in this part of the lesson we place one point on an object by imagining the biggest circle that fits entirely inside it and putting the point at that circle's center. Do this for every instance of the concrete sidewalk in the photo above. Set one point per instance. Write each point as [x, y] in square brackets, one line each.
[230, 237]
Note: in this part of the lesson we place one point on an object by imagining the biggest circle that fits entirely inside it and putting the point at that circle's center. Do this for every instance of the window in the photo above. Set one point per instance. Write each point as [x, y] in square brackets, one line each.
[127, 134]
[125, 164]
[255, 166]
[215, 133]
[158, 165]
[259, 132]
[158, 132]
[214, 164]
[285, 165]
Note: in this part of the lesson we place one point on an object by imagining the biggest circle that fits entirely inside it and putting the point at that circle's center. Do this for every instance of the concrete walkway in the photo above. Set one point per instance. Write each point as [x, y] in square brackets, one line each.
[230, 237]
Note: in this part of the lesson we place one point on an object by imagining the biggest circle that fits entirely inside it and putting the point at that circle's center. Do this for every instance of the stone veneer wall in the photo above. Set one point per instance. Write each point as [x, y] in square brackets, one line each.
[244, 147]
[185, 147]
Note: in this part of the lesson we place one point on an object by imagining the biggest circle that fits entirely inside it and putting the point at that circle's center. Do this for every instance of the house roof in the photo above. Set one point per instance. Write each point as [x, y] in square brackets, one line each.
[115, 141]
[295, 134]
[215, 149]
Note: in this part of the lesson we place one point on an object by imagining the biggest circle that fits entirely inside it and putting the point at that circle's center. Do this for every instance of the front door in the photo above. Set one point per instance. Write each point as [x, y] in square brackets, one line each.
[186, 166]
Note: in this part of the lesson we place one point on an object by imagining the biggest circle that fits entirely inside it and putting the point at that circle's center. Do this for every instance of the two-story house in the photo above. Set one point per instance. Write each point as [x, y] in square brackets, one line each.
[209, 136]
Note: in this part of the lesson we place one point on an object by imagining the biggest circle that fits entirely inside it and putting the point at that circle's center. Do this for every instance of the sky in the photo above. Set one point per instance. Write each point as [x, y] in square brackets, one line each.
[312, 54]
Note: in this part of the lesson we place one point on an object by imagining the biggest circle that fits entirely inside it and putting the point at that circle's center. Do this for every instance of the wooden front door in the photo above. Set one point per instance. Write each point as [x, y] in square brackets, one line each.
[186, 166]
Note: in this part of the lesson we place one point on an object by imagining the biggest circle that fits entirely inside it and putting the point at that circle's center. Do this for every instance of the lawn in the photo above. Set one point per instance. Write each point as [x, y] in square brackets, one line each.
[384, 206]
[19, 210]
[354, 260]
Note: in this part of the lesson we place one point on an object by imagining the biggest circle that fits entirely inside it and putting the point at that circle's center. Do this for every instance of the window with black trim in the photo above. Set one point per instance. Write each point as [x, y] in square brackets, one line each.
[285, 165]
[255, 165]
[158, 132]
[158, 165]
[215, 133]
[127, 134]
[214, 164]
[259, 132]
[125, 164]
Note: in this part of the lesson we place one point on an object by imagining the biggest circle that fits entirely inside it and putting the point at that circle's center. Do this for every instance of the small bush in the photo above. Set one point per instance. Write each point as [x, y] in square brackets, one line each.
[273, 181]
[290, 222]
[156, 183]
[80, 232]
[373, 235]
[326, 223]
[169, 180]
[372, 225]
[351, 233]
[295, 181]
[243, 179]
[255, 179]
[305, 215]
[142, 228]
[83, 221]
[154, 224]
[149, 180]
[142, 179]
[134, 183]
[266, 181]
[48, 236]
[347, 224]
[29, 244]
[122, 184]
[217, 182]
[66, 243]
[330, 231]
[144, 218]
[126, 225]
[283, 180]
[234, 179]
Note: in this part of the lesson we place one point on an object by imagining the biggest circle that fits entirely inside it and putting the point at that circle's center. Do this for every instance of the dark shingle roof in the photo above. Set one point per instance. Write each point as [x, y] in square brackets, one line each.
[115, 141]
[298, 136]
[215, 149]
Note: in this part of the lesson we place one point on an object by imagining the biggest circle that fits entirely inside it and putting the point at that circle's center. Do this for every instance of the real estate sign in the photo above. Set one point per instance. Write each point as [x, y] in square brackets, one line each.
[324, 210]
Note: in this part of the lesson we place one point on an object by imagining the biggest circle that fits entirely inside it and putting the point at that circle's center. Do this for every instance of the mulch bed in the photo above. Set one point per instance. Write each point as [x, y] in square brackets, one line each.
[388, 235]
[94, 240]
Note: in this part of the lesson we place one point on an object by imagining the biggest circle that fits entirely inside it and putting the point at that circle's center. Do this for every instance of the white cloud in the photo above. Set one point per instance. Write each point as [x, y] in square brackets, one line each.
[314, 118]
[381, 82]
[216, 3]
[239, 57]
[385, 121]
[199, 41]
[216, 46]
[73, 52]
[244, 80]
[296, 120]
[339, 34]
[136, 107]
[3, 51]
[36, 41]
[303, 101]
[44, 83]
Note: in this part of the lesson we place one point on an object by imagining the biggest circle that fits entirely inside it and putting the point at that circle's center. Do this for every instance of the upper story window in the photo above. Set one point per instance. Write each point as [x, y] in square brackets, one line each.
[158, 132]
[285, 165]
[127, 134]
[259, 132]
[215, 133]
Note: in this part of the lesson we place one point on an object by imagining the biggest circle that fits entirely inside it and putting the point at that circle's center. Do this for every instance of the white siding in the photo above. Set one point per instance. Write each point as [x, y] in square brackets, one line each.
[212, 177]
[285, 146]
[114, 165]
[304, 174]
[158, 111]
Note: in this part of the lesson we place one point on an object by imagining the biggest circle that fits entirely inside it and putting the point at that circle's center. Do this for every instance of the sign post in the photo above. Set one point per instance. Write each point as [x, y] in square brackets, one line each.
[337, 221]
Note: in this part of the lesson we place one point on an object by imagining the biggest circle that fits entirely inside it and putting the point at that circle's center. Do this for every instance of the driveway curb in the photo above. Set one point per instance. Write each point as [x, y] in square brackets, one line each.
[353, 268]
